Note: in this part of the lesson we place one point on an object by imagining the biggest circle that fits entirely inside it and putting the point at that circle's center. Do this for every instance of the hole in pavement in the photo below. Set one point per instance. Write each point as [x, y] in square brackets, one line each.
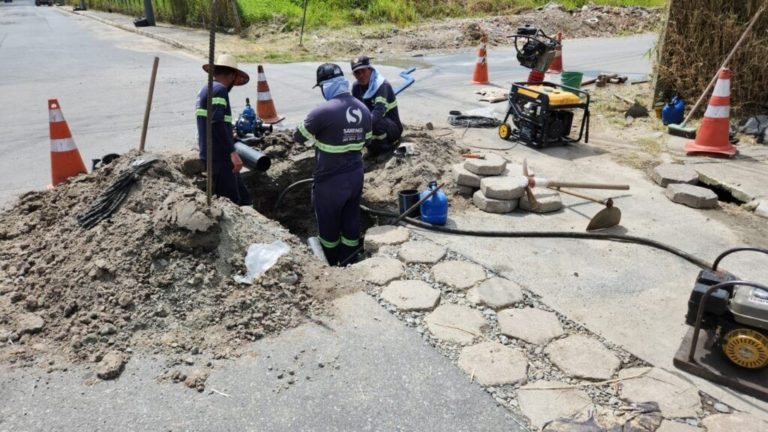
[723, 195]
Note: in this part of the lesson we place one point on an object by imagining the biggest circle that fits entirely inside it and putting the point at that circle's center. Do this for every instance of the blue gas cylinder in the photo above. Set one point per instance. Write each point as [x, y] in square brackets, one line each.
[435, 209]
[673, 112]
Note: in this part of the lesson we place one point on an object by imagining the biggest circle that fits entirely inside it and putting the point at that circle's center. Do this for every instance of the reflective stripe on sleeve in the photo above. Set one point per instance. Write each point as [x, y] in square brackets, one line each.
[219, 101]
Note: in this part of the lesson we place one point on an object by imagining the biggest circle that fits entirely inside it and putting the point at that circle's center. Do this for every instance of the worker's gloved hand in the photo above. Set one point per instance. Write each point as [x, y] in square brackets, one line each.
[237, 163]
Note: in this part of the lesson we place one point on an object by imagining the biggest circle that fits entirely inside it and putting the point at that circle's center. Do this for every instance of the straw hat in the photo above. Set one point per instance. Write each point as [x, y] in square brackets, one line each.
[229, 62]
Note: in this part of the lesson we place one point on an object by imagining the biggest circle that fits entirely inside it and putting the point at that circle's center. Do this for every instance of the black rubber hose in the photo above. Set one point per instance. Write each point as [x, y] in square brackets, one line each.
[552, 234]
[286, 190]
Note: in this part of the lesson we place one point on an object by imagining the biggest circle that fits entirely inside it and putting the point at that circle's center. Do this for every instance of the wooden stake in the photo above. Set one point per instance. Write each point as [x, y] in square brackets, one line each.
[149, 105]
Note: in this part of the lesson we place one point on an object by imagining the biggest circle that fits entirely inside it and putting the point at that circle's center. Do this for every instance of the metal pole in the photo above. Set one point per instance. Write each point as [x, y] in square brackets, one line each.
[149, 105]
[303, 18]
[236, 17]
[82, 4]
[208, 132]
[149, 12]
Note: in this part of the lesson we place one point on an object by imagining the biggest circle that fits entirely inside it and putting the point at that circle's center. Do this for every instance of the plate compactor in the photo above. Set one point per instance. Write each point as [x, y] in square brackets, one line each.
[728, 342]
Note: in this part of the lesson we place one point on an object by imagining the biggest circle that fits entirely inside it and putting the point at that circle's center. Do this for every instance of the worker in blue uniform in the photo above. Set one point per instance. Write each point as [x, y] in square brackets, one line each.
[377, 94]
[226, 162]
[339, 128]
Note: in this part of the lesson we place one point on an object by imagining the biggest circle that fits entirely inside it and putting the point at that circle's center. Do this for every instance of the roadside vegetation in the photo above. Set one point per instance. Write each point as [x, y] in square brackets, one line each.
[286, 15]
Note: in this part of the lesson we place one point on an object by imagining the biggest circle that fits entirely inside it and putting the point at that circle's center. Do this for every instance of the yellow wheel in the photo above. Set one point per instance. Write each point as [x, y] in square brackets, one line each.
[504, 131]
[747, 348]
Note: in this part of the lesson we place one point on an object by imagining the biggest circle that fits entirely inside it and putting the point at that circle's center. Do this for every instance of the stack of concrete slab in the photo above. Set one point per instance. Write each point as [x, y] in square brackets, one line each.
[680, 183]
[497, 186]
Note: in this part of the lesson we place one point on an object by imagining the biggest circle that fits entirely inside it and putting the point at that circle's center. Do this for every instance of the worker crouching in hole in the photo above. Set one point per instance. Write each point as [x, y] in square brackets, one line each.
[225, 161]
[340, 128]
[377, 94]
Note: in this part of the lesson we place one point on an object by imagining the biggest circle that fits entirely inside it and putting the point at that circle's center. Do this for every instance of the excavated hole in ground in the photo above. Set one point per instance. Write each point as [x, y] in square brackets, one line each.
[723, 194]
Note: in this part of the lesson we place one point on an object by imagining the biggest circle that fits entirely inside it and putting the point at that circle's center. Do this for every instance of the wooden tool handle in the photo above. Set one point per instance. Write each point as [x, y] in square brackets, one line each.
[559, 184]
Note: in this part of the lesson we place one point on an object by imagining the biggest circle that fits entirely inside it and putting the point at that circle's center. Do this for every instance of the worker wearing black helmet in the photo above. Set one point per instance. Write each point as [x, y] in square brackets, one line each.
[340, 128]
[377, 94]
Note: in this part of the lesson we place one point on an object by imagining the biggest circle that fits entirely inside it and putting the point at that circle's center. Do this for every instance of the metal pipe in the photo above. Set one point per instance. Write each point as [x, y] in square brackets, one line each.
[406, 75]
[253, 158]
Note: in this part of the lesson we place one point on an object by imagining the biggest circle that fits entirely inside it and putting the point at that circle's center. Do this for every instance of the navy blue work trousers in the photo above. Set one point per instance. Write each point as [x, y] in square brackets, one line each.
[229, 184]
[385, 134]
[336, 201]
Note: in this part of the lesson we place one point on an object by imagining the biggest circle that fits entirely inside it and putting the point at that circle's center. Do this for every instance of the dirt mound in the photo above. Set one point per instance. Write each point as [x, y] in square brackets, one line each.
[156, 276]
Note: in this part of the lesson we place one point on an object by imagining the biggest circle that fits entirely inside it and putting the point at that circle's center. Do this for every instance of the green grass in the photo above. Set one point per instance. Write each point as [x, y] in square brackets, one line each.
[287, 14]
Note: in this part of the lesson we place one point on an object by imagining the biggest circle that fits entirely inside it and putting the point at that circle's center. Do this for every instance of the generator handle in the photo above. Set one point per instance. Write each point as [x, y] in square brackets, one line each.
[703, 303]
[737, 249]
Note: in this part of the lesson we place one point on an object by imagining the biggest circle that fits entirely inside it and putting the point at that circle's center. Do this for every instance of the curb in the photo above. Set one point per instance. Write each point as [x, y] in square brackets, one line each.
[138, 31]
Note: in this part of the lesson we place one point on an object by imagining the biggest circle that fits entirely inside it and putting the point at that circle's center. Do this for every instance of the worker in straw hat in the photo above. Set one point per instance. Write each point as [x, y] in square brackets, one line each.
[226, 162]
[377, 94]
[340, 128]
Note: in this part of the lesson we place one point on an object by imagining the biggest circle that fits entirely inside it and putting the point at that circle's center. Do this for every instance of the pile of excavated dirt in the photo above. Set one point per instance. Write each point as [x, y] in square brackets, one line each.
[157, 276]
[385, 176]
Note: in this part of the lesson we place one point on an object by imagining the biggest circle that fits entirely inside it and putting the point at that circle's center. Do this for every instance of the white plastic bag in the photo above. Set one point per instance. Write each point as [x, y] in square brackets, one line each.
[260, 258]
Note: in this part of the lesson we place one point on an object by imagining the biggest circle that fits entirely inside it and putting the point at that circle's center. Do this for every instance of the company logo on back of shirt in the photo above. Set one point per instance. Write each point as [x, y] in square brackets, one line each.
[354, 116]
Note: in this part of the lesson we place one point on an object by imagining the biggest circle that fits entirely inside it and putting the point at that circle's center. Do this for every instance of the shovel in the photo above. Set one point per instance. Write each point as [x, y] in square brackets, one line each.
[636, 110]
[608, 217]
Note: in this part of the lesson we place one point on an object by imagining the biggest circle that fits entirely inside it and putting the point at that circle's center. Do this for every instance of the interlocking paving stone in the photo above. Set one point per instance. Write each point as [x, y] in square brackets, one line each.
[458, 274]
[666, 174]
[530, 324]
[411, 295]
[491, 364]
[490, 205]
[583, 357]
[496, 293]
[382, 235]
[458, 324]
[541, 404]
[421, 252]
[491, 165]
[692, 196]
[381, 270]
[675, 396]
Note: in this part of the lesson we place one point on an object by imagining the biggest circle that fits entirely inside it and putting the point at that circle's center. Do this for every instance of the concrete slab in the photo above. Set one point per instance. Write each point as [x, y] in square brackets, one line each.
[411, 295]
[676, 397]
[530, 324]
[382, 235]
[464, 177]
[666, 174]
[542, 401]
[465, 191]
[503, 188]
[458, 274]
[377, 375]
[741, 422]
[493, 364]
[496, 293]
[673, 426]
[490, 205]
[583, 357]
[380, 270]
[549, 201]
[491, 165]
[458, 324]
[421, 252]
[692, 196]
[745, 180]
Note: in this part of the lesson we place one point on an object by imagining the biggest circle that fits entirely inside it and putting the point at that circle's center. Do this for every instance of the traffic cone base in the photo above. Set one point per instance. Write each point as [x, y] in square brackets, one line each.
[557, 63]
[713, 134]
[265, 108]
[480, 75]
[65, 157]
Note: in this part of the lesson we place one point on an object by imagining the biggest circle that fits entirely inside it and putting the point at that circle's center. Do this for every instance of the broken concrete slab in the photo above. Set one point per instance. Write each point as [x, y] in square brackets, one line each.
[666, 174]
[583, 357]
[382, 235]
[549, 201]
[741, 422]
[673, 426]
[111, 366]
[458, 274]
[692, 196]
[490, 205]
[496, 293]
[762, 208]
[465, 191]
[530, 324]
[542, 401]
[454, 323]
[381, 270]
[730, 175]
[464, 177]
[675, 396]
[503, 188]
[492, 364]
[421, 252]
[491, 165]
[411, 295]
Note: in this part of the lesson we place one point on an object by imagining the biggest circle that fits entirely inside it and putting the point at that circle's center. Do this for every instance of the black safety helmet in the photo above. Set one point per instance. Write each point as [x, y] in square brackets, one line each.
[327, 71]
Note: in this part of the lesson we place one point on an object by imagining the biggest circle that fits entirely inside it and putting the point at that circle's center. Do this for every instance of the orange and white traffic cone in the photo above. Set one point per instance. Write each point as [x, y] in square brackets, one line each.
[480, 76]
[265, 108]
[557, 63]
[65, 158]
[712, 136]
